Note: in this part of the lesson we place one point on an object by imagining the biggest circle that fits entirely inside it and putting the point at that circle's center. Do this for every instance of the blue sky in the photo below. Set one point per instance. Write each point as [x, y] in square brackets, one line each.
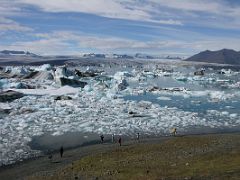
[51, 27]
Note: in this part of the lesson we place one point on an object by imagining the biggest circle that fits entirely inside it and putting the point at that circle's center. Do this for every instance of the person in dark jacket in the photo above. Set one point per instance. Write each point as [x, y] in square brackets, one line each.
[61, 151]
[120, 141]
[102, 138]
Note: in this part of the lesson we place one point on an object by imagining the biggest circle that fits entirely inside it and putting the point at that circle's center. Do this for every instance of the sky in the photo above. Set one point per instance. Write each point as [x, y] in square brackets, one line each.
[73, 27]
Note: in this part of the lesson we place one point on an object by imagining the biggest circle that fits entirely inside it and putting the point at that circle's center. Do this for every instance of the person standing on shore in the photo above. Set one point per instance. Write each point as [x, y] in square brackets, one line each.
[174, 131]
[113, 138]
[61, 151]
[138, 137]
[102, 138]
[120, 141]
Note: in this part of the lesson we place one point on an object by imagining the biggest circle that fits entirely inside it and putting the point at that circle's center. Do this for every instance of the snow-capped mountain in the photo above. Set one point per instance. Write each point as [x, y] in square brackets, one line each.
[17, 53]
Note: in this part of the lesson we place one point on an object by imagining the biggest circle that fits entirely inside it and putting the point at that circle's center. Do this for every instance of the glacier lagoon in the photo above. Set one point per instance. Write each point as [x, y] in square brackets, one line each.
[150, 98]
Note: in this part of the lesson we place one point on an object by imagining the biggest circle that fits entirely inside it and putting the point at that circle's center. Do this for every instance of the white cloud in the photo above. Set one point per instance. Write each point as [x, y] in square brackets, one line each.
[191, 5]
[220, 11]
[10, 25]
[217, 13]
[126, 9]
[221, 7]
[190, 13]
[65, 42]
[9, 8]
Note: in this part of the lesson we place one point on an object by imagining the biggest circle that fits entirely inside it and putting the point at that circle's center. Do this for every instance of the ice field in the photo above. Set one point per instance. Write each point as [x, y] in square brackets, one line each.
[122, 100]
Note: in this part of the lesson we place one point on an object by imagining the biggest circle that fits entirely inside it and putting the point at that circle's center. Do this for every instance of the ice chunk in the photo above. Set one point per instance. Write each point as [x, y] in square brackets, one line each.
[53, 91]
[60, 72]
[5, 107]
[44, 67]
[233, 115]
[164, 98]
[122, 85]
[182, 78]
[4, 83]
[43, 75]
[121, 75]
[18, 70]
[88, 88]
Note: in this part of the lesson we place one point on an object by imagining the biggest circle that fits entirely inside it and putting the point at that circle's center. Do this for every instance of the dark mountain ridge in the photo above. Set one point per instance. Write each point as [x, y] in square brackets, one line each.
[20, 53]
[224, 56]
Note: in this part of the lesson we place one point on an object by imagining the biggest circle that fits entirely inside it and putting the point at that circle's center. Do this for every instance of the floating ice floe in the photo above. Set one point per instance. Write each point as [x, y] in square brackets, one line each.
[4, 83]
[164, 98]
[122, 85]
[87, 113]
[179, 91]
[7, 84]
[44, 67]
[60, 72]
[195, 78]
[121, 75]
[100, 108]
[149, 74]
[235, 85]
[43, 76]
[53, 91]
[18, 70]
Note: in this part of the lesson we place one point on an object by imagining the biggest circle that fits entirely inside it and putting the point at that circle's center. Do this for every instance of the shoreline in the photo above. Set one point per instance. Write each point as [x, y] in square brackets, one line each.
[126, 139]
[42, 163]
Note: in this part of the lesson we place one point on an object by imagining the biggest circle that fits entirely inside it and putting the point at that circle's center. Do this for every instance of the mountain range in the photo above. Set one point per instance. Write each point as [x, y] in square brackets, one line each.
[93, 55]
[224, 56]
[16, 53]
